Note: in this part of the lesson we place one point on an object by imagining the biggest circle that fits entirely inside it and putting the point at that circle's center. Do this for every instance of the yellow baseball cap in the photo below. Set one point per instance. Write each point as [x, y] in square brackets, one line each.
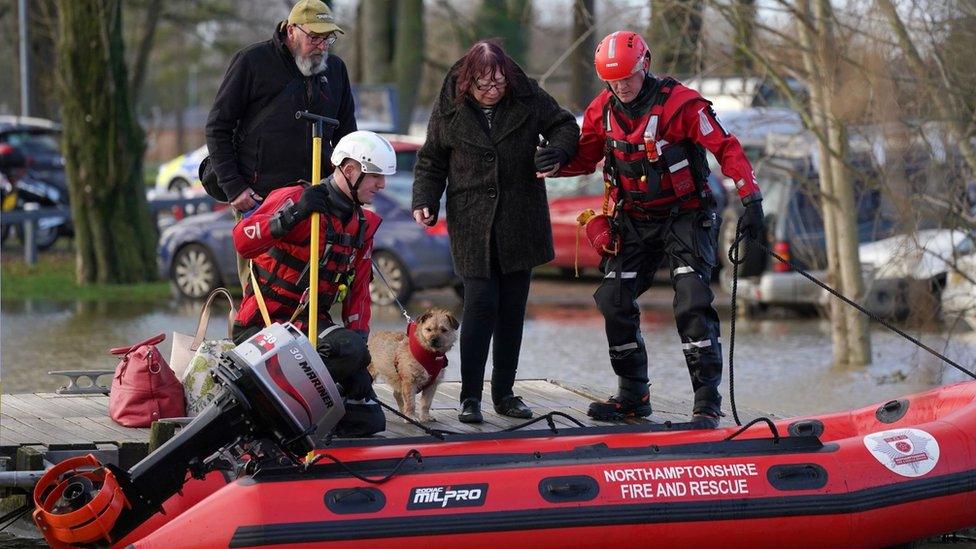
[315, 16]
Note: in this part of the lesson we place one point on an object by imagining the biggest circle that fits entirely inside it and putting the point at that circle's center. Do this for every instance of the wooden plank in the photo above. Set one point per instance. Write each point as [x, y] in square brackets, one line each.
[26, 406]
[48, 433]
[100, 433]
[15, 433]
[35, 405]
[128, 434]
[87, 405]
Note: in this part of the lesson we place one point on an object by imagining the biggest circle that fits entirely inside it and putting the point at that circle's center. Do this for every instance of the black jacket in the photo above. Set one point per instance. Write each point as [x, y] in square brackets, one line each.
[493, 194]
[278, 151]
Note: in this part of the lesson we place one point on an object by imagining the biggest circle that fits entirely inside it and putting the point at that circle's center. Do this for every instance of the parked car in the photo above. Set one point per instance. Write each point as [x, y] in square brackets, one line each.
[197, 254]
[909, 271]
[568, 196]
[44, 181]
[959, 294]
[794, 229]
[180, 173]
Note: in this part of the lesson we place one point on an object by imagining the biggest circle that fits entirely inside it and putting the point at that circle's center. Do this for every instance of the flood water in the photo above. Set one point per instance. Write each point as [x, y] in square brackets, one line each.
[781, 365]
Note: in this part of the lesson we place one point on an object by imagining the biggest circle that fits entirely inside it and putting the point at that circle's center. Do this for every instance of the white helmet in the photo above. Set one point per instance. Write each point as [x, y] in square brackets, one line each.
[373, 152]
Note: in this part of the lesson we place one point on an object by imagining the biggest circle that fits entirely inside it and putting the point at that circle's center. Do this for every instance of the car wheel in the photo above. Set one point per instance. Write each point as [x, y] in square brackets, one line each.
[178, 184]
[397, 285]
[43, 238]
[194, 271]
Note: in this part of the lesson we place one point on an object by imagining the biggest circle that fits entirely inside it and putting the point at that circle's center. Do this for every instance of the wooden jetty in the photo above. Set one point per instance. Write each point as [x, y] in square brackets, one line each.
[46, 427]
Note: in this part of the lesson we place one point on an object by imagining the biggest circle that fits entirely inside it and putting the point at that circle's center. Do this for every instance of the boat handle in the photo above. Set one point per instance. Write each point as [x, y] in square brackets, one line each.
[568, 489]
[354, 492]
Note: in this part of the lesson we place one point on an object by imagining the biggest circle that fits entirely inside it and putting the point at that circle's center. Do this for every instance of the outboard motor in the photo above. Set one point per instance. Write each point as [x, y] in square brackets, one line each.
[276, 388]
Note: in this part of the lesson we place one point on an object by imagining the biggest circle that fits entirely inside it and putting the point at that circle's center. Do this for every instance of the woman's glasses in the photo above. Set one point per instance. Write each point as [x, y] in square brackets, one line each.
[318, 40]
[484, 85]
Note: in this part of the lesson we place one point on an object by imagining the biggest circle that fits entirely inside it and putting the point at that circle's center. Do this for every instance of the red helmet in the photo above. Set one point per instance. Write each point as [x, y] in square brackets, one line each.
[621, 54]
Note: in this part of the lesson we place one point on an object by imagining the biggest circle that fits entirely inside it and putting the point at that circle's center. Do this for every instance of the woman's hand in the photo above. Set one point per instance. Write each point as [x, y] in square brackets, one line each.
[423, 218]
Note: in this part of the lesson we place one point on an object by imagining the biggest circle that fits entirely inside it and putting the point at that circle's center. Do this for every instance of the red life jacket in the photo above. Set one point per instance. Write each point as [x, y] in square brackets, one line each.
[673, 173]
[432, 361]
[282, 272]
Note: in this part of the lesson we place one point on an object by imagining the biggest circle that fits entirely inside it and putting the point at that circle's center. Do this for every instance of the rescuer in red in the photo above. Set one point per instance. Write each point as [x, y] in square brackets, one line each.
[653, 133]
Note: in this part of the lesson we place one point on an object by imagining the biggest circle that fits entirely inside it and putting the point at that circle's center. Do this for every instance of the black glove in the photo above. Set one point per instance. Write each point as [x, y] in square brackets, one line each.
[315, 198]
[547, 158]
[753, 221]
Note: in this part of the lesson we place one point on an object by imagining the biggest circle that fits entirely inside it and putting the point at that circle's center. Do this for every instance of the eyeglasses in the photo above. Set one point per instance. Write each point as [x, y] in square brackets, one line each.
[493, 85]
[318, 40]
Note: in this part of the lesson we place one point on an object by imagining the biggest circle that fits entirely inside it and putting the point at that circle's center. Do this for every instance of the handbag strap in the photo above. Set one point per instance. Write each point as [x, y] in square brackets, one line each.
[205, 317]
[125, 350]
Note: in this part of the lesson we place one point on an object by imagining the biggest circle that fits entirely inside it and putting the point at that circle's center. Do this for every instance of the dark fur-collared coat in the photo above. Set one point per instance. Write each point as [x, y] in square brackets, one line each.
[489, 175]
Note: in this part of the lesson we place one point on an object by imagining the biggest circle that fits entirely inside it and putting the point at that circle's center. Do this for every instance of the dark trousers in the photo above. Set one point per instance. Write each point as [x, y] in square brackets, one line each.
[688, 242]
[493, 306]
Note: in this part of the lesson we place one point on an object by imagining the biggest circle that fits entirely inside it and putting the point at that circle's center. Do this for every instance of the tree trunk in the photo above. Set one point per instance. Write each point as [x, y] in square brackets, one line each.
[154, 12]
[376, 34]
[818, 116]
[848, 328]
[408, 59]
[508, 20]
[675, 36]
[115, 236]
[584, 80]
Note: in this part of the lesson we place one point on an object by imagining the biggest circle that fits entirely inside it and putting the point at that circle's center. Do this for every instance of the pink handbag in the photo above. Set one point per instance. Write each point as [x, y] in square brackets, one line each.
[144, 388]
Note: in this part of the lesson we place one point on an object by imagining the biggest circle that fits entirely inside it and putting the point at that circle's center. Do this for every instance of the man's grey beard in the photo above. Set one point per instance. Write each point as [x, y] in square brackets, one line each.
[307, 67]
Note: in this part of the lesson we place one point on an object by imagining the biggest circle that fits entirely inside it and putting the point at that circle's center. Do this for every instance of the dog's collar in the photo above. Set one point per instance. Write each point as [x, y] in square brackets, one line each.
[432, 361]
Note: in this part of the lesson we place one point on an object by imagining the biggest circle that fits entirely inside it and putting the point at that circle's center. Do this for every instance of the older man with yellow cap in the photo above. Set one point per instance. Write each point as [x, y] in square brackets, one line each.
[256, 144]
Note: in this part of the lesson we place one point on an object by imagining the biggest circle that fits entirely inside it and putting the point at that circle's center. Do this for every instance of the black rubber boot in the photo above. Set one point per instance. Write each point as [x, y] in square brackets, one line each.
[708, 408]
[616, 408]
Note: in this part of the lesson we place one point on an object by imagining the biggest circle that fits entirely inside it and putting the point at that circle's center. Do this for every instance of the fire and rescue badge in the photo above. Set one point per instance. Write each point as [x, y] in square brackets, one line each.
[907, 452]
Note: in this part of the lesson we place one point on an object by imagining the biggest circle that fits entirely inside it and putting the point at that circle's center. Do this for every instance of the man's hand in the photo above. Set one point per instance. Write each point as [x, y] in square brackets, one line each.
[753, 221]
[423, 218]
[548, 160]
[246, 201]
[315, 198]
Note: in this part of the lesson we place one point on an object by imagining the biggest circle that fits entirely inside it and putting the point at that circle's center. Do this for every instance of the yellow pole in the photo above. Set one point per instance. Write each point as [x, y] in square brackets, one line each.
[313, 272]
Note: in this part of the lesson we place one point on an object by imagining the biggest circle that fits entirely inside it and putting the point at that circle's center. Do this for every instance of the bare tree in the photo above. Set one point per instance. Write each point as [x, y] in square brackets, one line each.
[408, 58]
[583, 82]
[115, 237]
[675, 35]
[376, 37]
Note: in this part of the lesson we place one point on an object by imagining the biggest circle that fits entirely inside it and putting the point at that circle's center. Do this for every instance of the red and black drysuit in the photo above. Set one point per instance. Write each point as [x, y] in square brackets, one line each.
[277, 243]
[280, 262]
[664, 209]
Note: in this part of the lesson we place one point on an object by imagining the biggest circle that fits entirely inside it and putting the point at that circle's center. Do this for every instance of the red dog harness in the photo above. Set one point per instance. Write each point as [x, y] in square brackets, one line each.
[432, 361]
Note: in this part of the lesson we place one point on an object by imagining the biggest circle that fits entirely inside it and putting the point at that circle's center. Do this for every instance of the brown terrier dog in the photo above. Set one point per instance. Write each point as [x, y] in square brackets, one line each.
[414, 363]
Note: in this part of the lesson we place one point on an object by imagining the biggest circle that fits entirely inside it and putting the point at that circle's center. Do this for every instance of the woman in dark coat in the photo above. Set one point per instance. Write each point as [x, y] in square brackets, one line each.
[483, 147]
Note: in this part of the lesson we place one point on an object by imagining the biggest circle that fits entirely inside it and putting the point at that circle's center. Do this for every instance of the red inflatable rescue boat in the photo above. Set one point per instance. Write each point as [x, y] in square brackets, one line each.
[874, 477]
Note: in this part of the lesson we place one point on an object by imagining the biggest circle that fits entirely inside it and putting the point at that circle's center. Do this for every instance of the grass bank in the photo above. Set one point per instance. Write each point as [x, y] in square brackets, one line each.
[53, 277]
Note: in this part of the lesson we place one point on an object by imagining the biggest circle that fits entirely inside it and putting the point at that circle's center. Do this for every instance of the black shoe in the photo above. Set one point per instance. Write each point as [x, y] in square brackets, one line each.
[512, 406]
[471, 411]
[705, 420]
[615, 409]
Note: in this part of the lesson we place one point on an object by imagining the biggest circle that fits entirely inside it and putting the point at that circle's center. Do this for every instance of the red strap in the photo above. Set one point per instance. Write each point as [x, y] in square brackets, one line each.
[151, 341]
